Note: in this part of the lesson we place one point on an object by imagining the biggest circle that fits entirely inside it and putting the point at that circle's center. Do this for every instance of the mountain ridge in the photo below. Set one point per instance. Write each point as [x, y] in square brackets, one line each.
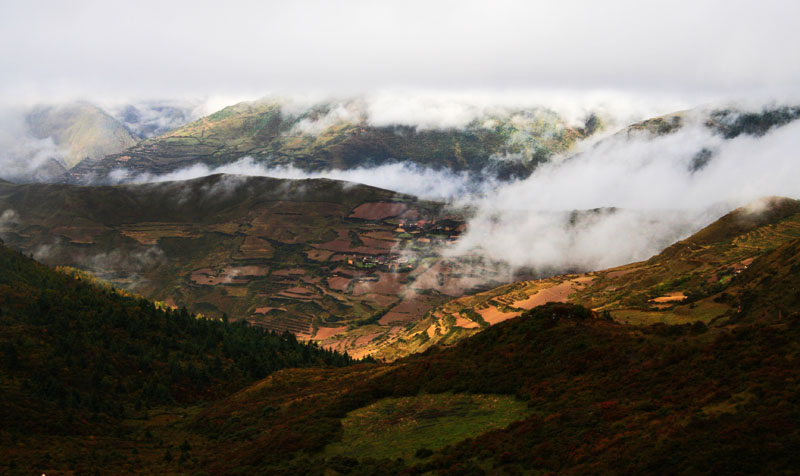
[275, 135]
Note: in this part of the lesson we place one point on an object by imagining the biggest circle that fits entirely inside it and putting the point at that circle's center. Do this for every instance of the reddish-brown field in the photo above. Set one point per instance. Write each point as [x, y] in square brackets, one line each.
[378, 210]
[492, 315]
[326, 332]
[388, 283]
[338, 283]
[265, 310]
[409, 309]
[558, 293]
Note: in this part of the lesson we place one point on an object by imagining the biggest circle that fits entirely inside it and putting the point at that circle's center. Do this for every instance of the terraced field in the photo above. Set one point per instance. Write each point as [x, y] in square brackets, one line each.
[313, 258]
[685, 283]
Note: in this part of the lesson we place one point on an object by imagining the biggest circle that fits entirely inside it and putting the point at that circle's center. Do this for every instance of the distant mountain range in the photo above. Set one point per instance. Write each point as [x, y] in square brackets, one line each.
[154, 138]
[45, 141]
[81, 130]
[341, 136]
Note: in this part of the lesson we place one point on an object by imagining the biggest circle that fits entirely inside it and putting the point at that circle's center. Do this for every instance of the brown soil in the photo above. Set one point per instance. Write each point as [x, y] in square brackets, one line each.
[382, 300]
[411, 214]
[378, 244]
[558, 293]
[150, 233]
[432, 330]
[466, 323]
[671, 297]
[365, 339]
[493, 315]
[389, 283]
[264, 310]
[378, 210]
[411, 308]
[742, 265]
[289, 272]
[339, 283]
[380, 235]
[319, 255]
[326, 332]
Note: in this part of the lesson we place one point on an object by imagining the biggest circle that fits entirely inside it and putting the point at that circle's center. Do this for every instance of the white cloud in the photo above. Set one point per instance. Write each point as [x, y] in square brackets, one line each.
[8, 217]
[660, 200]
[21, 154]
[339, 113]
[400, 177]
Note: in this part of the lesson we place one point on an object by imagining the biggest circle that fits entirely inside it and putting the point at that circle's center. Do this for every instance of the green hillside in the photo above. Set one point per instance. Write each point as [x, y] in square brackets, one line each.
[511, 143]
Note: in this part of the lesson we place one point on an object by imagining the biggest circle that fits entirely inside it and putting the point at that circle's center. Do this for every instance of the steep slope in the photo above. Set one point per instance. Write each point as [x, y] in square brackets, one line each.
[771, 285]
[570, 392]
[602, 398]
[76, 359]
[689, 281]
[316, 257]
[340, 135]
[81, 130]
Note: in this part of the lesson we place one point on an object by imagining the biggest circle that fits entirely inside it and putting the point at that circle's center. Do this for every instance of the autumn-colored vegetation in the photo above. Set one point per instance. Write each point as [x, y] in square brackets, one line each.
[76, 358]
[600, 396]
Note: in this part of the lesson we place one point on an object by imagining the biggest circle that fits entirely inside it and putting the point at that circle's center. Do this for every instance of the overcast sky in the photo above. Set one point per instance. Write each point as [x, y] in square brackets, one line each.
[123, 49]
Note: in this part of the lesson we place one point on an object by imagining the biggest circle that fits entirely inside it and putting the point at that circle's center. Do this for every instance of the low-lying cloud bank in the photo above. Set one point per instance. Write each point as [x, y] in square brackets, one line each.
[442, 110]
[22, 155]
[661, 192]
[399, 177]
